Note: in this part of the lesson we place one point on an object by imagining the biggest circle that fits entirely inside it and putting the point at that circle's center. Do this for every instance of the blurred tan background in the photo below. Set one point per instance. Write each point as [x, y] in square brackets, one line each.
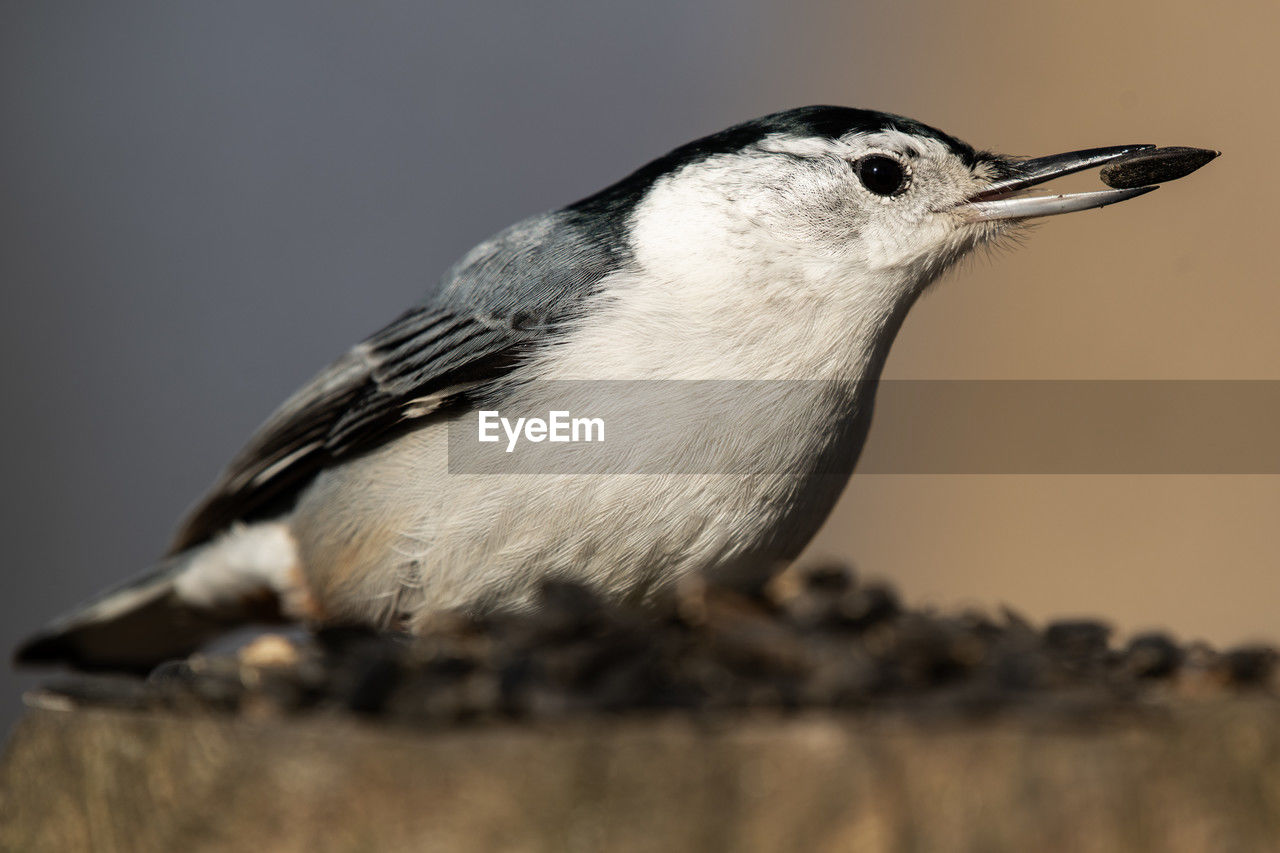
[1184, 284]
[201, 204]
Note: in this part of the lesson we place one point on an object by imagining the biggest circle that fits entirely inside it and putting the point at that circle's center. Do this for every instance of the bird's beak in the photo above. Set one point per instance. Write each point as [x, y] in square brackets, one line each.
[1000, 200]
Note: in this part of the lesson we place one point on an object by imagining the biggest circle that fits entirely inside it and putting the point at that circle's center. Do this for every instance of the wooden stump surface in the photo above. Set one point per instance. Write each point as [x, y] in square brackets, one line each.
[1194, 776]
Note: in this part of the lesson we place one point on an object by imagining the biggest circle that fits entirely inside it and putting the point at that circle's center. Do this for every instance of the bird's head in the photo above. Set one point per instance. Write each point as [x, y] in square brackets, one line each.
[829, 201]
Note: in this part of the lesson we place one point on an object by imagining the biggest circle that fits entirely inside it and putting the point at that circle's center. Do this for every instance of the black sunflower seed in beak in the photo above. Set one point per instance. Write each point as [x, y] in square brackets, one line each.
[1154, 166]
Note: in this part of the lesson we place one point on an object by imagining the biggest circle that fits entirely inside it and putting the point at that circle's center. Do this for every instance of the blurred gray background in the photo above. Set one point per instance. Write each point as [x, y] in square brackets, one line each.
[201, 204]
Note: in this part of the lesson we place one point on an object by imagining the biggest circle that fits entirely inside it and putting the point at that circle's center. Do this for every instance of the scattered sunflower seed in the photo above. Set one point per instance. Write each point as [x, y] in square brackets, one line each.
[812, 637]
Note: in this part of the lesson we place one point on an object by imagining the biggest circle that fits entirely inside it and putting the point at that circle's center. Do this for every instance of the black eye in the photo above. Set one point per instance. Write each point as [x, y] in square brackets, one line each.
[880, 174]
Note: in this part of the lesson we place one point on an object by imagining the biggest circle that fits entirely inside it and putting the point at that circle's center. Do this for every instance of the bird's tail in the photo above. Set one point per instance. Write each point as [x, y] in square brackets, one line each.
[173, 609]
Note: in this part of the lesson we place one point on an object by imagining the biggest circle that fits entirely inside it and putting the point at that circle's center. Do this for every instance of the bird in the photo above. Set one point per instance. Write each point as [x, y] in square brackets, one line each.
[787, 247]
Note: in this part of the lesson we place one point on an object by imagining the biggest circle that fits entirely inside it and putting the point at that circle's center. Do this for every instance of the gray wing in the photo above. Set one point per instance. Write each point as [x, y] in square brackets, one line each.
[505, 298]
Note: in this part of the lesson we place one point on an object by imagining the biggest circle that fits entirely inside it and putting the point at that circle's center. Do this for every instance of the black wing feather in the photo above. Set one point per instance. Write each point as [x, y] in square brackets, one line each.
[500, 302]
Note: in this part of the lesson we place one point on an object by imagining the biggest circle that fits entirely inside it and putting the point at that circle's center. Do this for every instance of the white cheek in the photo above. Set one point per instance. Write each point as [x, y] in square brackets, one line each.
[905, 231]
[895, 242]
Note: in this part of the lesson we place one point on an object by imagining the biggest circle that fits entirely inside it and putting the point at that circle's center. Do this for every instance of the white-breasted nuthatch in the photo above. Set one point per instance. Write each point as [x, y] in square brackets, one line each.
[789, 247]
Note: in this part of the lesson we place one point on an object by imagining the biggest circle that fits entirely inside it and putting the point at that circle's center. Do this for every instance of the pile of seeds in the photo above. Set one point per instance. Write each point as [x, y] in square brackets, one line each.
[807, 638]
